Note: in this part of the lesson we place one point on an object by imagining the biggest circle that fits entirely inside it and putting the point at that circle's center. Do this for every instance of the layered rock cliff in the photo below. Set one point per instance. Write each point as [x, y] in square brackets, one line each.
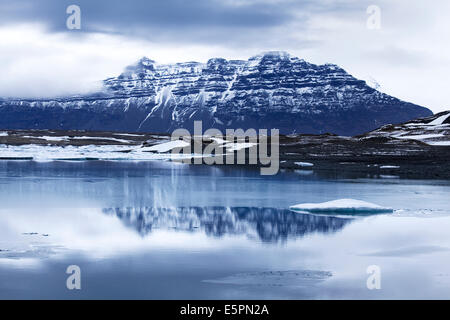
[271, 90]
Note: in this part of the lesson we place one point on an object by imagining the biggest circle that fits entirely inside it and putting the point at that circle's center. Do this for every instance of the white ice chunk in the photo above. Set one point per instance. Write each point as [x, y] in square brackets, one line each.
[421, 136]
[342, 206]
[304, 164]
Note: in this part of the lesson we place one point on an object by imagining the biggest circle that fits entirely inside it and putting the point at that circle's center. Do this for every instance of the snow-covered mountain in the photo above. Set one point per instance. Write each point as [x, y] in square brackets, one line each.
[271, 90]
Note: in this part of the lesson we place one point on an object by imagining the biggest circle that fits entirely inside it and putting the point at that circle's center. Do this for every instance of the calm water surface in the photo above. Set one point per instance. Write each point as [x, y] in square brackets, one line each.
[171, 231]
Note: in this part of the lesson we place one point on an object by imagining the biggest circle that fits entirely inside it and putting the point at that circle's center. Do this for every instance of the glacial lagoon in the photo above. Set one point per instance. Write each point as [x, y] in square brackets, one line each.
[163, 230]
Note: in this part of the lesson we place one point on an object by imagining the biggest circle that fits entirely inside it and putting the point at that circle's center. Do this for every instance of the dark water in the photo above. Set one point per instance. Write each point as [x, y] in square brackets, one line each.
[160, 230]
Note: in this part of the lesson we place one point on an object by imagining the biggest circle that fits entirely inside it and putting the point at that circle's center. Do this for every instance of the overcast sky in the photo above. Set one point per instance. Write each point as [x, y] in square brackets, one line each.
[409, 55]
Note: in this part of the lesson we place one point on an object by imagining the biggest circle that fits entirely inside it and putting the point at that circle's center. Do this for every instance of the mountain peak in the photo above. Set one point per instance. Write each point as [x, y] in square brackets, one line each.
[270, 55]
[216, 61]
[144, 61]
[276, 54]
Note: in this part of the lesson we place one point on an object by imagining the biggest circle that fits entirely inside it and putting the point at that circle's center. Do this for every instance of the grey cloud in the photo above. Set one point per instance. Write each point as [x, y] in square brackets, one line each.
[226, 22]
[120, 14]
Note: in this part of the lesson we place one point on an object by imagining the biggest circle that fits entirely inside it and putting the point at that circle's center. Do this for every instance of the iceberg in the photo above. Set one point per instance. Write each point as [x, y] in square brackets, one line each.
[341, 206]
[304, 164]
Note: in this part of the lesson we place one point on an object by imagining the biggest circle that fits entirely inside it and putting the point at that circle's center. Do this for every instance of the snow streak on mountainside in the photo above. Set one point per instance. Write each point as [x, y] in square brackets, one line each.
[272, 90]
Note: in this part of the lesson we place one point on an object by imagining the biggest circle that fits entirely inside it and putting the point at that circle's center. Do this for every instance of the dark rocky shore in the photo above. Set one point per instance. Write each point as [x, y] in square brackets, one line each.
[325, 155]
[338, 157]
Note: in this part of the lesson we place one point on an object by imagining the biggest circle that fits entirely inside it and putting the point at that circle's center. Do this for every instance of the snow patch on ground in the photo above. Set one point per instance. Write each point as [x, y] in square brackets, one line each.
[439, 120]
[386, 176]
[294, 278]
[439, 143]
[67, 138]
[101, 138]
[48, 138]
[167, 146]
[432, 131]
[100, 152]
[129, 134]
[421, 136]
[219, 140]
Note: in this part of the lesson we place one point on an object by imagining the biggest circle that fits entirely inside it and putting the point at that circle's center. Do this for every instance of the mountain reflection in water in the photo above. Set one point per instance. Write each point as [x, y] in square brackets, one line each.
[267, 224]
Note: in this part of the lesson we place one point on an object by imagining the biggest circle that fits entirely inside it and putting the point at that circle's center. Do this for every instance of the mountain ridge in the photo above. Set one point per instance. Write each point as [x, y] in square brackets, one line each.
[270, 90]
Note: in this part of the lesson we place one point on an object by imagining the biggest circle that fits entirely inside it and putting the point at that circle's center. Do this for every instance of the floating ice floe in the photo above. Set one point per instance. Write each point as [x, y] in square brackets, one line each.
[341, 206]
[304, 164]
[87, 152]
[166, 146]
